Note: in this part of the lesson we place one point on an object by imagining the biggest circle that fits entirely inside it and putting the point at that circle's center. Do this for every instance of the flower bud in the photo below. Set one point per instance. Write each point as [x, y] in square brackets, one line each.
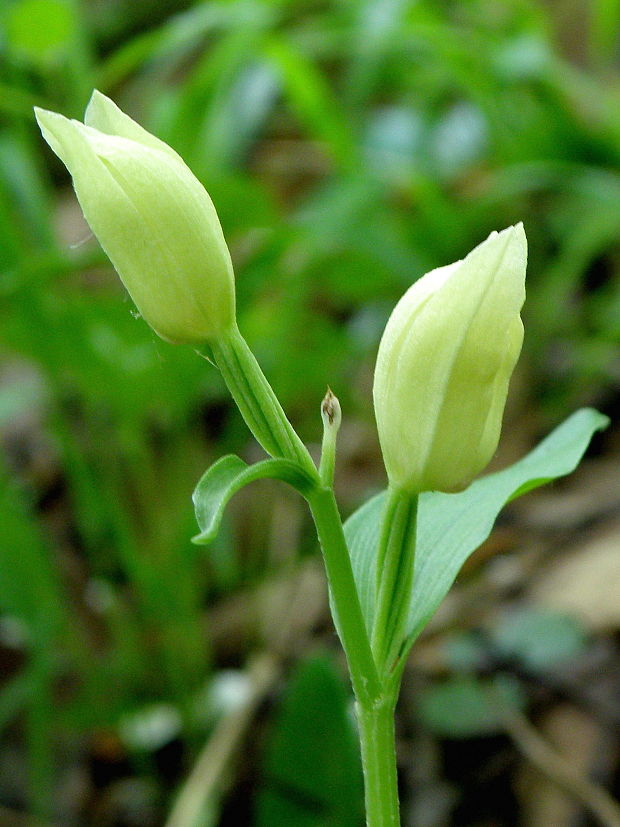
[444, 364]
[152, 217]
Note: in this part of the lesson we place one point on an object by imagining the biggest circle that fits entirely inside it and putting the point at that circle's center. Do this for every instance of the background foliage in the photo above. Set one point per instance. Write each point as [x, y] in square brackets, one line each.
[349, 146]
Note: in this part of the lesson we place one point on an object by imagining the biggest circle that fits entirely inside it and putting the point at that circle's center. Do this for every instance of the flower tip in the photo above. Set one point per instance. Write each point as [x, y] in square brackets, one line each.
[96, 99]
[515, 231]
[56, 129]
[100, 111]
[98, 96]
[105, 116]
[518, 243]
[519, 233]
[513, 241]
[45, 118]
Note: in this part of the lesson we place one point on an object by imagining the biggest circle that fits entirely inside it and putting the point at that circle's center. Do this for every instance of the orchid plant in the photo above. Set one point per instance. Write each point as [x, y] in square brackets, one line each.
[441, 381]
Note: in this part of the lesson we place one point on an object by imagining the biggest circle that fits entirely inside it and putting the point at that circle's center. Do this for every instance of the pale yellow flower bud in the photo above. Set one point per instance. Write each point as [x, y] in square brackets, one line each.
[152, 217]
[444, 364]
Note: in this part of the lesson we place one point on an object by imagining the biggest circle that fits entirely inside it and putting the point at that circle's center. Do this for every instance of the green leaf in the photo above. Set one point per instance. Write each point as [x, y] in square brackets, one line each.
[312, 774]
[465, 707]
[538, 638]
[227, 476]
[452, 526]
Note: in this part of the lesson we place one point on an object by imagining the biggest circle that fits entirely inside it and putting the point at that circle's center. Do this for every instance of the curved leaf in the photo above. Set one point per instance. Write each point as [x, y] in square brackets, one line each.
[227, 476]
[452, 526]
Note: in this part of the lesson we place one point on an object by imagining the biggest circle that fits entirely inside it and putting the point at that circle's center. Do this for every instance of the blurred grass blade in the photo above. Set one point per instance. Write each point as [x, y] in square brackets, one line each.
[311, 99]
[30, 593]
[604, 31]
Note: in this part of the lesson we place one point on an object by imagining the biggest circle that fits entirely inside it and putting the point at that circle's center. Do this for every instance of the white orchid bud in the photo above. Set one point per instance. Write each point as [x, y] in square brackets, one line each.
[444, 364]
[152, 217]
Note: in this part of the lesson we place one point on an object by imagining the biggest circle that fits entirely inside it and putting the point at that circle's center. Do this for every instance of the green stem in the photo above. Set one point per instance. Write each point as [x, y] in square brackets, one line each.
[256, 400]
[375, 704]
[395, 564]
[376, 730]
[264, 416]
[346, 606]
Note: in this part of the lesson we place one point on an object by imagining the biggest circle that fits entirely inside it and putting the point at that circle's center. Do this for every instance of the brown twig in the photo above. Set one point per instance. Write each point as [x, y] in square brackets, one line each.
[557, 768]
[206, 782]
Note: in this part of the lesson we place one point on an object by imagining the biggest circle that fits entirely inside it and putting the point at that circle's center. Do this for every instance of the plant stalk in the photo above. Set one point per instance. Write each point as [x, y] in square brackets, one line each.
[264, 416]
[256, 400]
[345, 602]
[394, 577]
[376, 730]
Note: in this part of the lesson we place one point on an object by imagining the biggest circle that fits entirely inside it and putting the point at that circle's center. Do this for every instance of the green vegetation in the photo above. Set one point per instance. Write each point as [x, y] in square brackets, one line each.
[349, 147]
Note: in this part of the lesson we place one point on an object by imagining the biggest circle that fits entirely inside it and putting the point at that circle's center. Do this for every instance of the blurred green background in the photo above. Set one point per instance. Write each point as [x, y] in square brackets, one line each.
[349, 146]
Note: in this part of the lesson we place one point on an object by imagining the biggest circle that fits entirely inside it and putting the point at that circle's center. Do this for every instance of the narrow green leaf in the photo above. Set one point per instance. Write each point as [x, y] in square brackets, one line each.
[312, 774]
[452, 526]
[311, 98]
[227, 476]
